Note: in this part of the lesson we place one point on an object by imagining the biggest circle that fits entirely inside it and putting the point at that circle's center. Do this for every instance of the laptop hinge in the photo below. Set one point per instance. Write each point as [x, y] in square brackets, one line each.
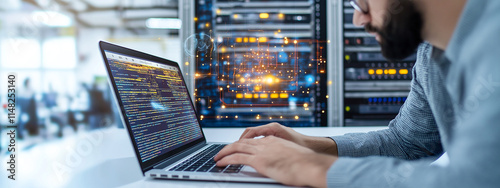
[170, 160]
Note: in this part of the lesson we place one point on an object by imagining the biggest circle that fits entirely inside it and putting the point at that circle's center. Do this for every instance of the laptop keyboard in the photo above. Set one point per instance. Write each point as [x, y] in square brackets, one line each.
[204, 162]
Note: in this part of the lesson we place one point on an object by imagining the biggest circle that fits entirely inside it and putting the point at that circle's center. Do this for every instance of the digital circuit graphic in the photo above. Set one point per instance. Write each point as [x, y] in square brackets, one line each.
[259, 62]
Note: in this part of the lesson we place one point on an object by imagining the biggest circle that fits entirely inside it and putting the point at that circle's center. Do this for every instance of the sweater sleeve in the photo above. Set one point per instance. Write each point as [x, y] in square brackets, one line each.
[473, 157]
[412, 134]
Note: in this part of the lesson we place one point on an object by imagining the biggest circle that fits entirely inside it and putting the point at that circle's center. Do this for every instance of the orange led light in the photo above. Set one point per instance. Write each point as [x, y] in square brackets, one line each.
[371, 71]
[403, 71]
[264, 15]
[392, 71]
[257, 88]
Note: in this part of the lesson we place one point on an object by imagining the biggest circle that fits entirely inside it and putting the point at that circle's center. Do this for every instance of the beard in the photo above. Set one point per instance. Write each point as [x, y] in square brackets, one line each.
[401, 33]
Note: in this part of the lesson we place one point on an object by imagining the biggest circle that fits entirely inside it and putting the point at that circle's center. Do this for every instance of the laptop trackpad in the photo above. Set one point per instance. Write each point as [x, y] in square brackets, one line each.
[247, 170]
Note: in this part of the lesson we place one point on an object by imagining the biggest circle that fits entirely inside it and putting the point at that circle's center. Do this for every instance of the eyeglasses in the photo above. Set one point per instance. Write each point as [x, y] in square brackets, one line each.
[360, 6]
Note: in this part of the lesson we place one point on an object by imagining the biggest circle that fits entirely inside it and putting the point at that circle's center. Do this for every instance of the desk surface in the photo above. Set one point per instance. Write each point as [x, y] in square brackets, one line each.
[105, 158]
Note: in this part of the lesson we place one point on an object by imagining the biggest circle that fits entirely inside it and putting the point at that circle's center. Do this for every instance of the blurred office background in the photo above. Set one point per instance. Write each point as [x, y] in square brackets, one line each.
[51, 45]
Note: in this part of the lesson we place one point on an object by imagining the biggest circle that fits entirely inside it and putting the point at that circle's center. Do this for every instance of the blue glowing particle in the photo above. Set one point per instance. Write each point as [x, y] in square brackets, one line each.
[310, 79]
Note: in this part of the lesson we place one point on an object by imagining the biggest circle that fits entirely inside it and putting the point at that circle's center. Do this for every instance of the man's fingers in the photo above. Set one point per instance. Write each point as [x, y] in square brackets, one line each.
[238, 158]
[253, 132]
[254, 142]
[245, 132]
[237, 147]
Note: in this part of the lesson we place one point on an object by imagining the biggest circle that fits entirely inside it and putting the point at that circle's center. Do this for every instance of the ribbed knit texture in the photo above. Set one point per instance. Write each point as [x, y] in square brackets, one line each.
[453, 106]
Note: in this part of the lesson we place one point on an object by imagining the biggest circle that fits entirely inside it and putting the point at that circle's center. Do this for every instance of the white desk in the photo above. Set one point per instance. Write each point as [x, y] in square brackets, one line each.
[105, 158]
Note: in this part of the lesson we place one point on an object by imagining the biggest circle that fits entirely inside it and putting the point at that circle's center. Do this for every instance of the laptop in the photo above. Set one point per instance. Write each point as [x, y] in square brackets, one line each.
[161, 121]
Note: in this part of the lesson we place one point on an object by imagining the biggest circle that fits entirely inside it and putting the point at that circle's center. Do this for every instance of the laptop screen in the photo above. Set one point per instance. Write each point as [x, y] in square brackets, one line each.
[156, 104]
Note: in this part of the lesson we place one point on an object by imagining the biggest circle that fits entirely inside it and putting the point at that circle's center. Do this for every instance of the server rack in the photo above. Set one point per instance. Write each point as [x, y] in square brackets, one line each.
[258, 61]
[374, 88]
[359, 87]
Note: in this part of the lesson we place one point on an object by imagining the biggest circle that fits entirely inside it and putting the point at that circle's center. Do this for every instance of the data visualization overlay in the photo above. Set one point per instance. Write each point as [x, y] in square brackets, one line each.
[156, 103]
[260, 61]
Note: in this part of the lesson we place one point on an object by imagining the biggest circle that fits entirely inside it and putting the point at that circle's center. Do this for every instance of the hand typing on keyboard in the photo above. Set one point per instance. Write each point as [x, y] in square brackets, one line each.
[280, 159]
[204, 162]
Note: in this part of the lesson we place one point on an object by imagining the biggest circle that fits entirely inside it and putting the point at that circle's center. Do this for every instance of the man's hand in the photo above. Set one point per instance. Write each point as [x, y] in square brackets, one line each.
[279, 159]
[318, 144]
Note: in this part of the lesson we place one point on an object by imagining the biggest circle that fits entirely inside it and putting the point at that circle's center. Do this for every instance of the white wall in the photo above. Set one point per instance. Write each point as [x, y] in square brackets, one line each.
[91, 62]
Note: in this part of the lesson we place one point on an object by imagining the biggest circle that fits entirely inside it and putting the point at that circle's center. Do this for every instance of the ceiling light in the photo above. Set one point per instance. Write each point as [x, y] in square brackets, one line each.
[163, 23]
[52, 19]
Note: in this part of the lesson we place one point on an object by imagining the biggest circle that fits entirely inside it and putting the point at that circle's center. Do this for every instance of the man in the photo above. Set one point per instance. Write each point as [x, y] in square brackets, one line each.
[453, 106]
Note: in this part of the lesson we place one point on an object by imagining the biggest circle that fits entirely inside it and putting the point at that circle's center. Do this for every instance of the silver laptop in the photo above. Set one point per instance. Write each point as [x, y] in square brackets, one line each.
[159, 116]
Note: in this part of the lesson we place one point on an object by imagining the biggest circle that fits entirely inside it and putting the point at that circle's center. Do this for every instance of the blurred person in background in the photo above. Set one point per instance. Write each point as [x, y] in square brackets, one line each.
[79, 106]
[28, 110]
[58, 108]
[99, 108]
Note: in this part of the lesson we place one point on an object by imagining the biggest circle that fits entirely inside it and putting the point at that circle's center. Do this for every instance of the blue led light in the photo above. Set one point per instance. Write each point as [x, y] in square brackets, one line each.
[310, 79]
